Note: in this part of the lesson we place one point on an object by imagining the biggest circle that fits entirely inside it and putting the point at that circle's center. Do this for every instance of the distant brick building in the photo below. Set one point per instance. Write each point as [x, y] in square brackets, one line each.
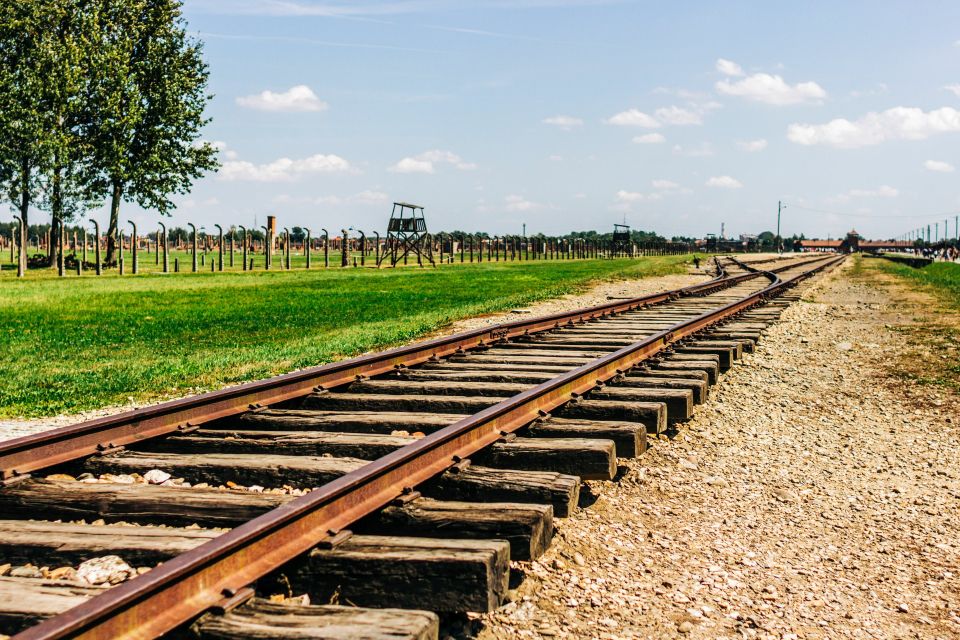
[854, 242]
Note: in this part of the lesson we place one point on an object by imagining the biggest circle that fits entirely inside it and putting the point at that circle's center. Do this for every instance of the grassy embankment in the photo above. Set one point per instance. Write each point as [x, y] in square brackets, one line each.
[932, 296]
[75, 344]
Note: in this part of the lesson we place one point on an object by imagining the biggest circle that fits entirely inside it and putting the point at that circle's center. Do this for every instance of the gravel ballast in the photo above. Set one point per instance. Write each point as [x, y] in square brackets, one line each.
[813, 496]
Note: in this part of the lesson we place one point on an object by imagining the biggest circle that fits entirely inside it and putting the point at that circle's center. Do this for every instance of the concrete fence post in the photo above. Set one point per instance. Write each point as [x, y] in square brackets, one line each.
[96, 245]
[133, 246]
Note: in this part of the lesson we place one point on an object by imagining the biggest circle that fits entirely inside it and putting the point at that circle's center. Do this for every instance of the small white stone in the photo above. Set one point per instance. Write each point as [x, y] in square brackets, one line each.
[104, 570]
[156, 476]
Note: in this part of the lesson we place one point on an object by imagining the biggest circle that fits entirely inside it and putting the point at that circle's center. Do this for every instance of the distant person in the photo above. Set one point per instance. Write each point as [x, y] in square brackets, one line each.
[696, 262]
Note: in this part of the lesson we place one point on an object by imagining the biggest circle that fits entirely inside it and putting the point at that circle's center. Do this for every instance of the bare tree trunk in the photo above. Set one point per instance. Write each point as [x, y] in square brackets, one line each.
[114, 221]
[56, 216]
[24, 210]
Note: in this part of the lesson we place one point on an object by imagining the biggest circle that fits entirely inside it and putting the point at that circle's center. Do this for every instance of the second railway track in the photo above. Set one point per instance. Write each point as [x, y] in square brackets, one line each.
[400, 483]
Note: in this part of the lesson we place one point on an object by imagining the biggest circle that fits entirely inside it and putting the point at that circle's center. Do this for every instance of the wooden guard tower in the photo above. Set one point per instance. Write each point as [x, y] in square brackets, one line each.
[406, 234]
[621, 240]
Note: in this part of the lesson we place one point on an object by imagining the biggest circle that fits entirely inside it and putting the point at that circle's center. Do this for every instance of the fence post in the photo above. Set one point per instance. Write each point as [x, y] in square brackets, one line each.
[306, 247]
[120, 260]
[244, 245]
[96, 244]
[286, 246]
[194, 229]
[267, 248]
[344, 248]
[133, 245]
[326, 248]
[219, 247]
[166, 247]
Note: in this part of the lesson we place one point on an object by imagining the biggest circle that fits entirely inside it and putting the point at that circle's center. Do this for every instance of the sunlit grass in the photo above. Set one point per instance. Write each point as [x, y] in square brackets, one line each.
[75, 344]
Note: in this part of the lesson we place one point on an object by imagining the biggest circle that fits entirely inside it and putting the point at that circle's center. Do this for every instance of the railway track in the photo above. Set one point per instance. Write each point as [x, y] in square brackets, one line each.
[398, 484]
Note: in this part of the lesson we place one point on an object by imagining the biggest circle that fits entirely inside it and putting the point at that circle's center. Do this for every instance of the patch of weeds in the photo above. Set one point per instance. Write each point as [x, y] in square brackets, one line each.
[930, 298]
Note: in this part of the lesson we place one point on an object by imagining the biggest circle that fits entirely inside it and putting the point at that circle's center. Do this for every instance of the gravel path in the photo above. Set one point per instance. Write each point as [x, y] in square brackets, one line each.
[813, 496]
[601, 293]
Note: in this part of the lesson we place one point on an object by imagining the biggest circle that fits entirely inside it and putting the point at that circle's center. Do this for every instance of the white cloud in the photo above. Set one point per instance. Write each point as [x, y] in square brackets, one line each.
[563, 122]
[678, 116]
[898, 123]
[448, 157]
[629, 196]
[190, 203]
[370, 196]
[426, 162]
[723, 182]
[664, 184]
[752, 145]
[515, 203]
[283, 169]
[650, 138]
[766, 88]
[633, 118]
[412, 165]
[883, 191]
[366, 197]
[953, 88]
[729, 68]
[300, 98]
[939, 166]
[555, 158]
[702, 151]
[626, 197]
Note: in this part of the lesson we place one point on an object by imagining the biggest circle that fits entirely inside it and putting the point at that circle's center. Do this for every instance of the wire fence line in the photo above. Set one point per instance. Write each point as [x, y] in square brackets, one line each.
[78, 251]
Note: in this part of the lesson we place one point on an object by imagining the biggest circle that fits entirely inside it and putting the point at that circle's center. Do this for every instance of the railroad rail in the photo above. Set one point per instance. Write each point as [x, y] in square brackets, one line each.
[432, 423]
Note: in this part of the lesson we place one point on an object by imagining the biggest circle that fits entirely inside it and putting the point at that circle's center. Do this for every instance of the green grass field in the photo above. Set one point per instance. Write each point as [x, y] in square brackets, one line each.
[74, 344]
[940, 278]
[932, 335]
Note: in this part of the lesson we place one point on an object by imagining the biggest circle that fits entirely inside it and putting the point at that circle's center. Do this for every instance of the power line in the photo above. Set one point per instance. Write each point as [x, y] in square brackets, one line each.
[870, 215]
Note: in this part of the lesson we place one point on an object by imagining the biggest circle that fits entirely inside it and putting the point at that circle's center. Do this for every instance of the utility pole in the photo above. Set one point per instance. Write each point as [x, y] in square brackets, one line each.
[779, 209]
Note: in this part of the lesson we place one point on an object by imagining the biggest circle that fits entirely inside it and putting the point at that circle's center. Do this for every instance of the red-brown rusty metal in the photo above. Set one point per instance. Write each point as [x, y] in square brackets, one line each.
[23, 455]
[184, 587]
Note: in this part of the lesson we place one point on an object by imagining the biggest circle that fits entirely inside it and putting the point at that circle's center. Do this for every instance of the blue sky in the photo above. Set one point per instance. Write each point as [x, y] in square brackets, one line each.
[575, 114]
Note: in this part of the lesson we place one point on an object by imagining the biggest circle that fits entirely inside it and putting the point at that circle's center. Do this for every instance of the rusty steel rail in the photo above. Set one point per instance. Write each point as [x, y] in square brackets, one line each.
[219, 570]
[22, 455]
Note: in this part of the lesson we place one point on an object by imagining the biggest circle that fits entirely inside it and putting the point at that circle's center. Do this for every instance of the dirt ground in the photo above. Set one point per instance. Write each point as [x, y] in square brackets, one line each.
[815, 495]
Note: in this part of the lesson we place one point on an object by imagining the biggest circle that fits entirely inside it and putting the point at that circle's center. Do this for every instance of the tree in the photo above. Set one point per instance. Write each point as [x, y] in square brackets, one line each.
[148, 93]
[23, 124]
[67, 177]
